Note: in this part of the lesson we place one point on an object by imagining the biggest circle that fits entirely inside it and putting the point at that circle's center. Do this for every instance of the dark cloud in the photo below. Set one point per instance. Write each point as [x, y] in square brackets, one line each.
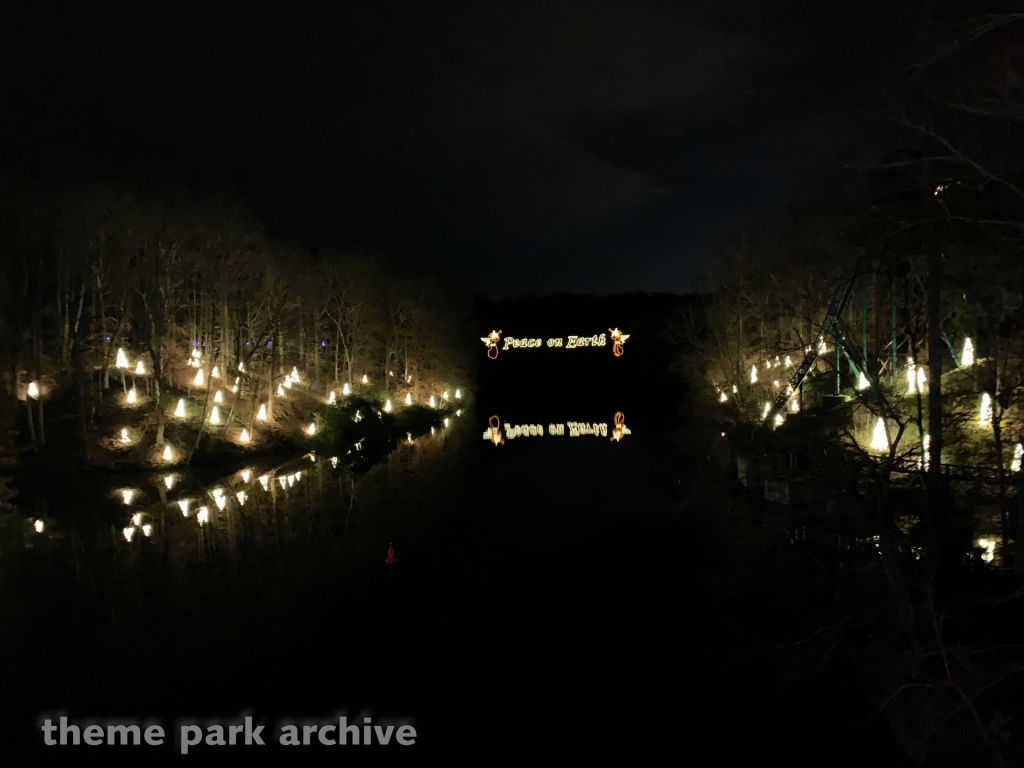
[541, 140]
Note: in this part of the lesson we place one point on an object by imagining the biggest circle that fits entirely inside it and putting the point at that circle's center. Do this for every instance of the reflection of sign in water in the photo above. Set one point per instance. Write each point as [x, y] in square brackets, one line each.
[493, 432]
[618, 338]
[620, 430]
[570, 428]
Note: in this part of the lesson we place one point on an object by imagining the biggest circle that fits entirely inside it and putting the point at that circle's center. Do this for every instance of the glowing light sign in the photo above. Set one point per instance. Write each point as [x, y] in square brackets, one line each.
[492, 342]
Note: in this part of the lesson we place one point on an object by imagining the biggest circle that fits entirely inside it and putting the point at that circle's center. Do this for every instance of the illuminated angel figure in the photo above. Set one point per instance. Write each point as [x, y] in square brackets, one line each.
[618, 339]
[493, 432]
[491, 342]
[620, 430]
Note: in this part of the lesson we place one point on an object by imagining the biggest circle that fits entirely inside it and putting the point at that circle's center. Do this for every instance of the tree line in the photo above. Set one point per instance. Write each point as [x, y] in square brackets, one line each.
[87, 269]
[927, 268]
[906, 434]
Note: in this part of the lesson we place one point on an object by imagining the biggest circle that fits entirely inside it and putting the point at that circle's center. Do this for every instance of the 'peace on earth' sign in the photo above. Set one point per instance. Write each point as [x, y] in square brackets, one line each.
[493, 342]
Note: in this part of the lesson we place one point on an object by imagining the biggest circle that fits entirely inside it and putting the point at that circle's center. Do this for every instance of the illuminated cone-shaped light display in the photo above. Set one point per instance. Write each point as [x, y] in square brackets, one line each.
[147, 529]
[366, 379]
[128, 533]
[926, 452]
[169, 482]
[444, 395]
[200, 378]
[203, 516]
[168, 454]
[822, 346]
[985, 416]
[295, 375]
[140, 369]
[127, 495]
[332, 398]
[287, 382]
[862, 381]
[967, 358]
[789, 362]
[241, 367]
[33, 390]
[262, 415]
[408, 437]
[880, 437]
[218, 397]
[244, 437]
[408, 398]
[433, 402]
[989, 547]
[39, 526]
[458, 394]
[753, 374]
[179, 412]
[446, 422]
[215, 415]
[265, 482]
[387, 407]
[779, 418]
[311, 429]
[767, 408]
[241, 496]
[137, 519]
[183, 504]
[122, 359]
[132, 398]
[246, 475]
[722, 397]
[346, 389]
[280, 390]
[794, 405]
[215, 373]
[124, 435]
[1018, 456]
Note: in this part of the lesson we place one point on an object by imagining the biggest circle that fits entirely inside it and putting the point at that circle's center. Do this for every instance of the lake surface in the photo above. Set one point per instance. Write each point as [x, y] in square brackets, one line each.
[556, 597]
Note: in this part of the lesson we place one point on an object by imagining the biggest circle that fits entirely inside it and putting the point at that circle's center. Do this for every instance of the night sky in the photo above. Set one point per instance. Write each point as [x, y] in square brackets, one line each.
[562, 145]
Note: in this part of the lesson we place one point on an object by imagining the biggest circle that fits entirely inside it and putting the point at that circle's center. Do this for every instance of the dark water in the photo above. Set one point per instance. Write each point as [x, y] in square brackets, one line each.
[554, 600]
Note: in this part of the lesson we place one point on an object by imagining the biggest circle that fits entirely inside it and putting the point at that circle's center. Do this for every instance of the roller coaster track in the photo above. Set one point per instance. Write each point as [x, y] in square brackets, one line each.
[837, 302]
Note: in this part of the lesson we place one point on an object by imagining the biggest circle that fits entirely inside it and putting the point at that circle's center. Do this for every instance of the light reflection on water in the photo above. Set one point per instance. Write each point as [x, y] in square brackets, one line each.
[498, 432]
[259, 517]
